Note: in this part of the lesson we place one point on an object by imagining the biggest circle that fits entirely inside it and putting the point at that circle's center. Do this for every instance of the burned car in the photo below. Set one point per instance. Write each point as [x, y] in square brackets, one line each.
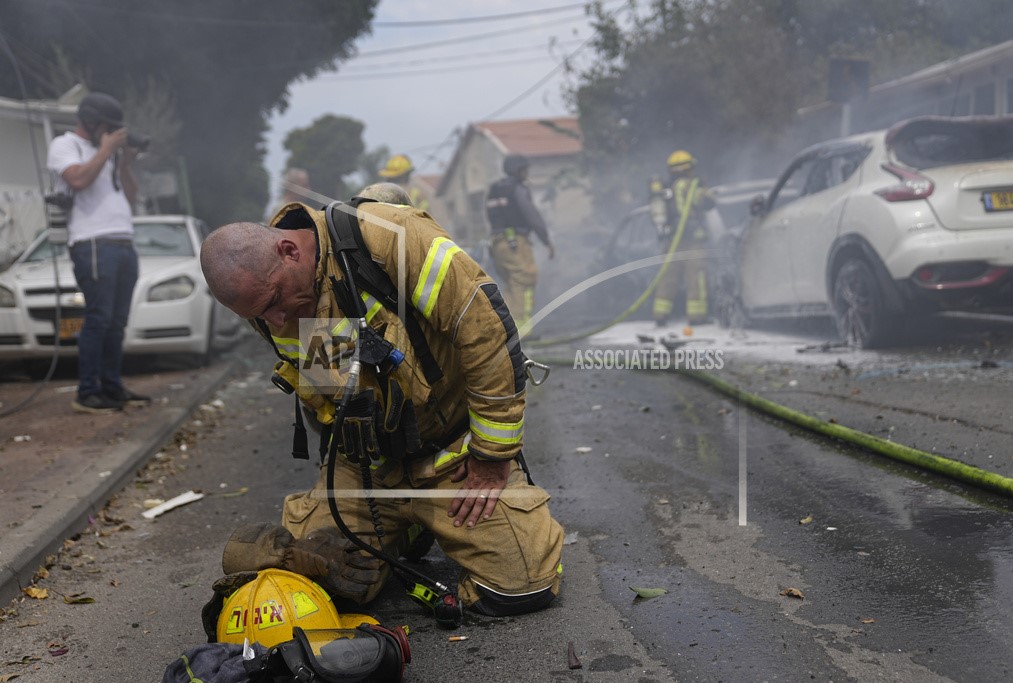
[880, 228]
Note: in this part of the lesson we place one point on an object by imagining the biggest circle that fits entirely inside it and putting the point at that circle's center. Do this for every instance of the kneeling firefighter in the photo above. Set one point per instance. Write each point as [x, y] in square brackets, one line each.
[677, 212]
[422, 415]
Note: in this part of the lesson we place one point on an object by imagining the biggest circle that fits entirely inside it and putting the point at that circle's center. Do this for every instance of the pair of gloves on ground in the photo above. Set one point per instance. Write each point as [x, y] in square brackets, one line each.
[324, 555]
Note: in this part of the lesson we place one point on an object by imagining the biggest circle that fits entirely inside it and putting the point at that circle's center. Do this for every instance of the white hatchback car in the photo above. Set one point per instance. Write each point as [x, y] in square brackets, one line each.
[879, 227]
[172, 310]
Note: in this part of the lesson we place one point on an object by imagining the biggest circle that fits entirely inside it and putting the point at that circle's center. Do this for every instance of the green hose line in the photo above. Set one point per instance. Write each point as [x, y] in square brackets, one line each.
[959, 471]
[672, 247]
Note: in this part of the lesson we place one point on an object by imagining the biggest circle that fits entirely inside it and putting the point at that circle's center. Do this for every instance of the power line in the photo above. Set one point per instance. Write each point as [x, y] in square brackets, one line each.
[427, 72]
[463, 39]
[542, 81]
[459, 56]
[469, 20]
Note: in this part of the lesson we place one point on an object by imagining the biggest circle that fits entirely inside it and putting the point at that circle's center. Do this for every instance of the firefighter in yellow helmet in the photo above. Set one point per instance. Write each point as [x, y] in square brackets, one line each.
[399, 170]
[683, 203]
[513, 216]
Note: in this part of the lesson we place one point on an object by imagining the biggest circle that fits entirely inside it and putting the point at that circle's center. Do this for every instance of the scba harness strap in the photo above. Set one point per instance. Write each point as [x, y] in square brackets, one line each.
[346, 236]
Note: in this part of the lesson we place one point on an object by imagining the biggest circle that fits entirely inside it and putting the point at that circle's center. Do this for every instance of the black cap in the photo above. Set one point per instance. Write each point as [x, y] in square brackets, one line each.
[97, 107]
[515, 163]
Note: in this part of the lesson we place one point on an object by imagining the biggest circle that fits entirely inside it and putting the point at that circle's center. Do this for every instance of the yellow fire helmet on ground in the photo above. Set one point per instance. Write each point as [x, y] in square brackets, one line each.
[265, 609]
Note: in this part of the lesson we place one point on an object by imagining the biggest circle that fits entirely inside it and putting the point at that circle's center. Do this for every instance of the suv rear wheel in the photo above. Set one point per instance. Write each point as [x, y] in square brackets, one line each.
[859, 306]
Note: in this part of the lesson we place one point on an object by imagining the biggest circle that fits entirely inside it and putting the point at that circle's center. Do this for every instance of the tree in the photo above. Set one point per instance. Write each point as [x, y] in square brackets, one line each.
[329, 149]
[724, 77]
[223, 66]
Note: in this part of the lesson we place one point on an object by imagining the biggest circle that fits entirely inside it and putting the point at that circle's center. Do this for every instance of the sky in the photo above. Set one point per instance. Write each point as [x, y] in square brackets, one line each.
[412, 95]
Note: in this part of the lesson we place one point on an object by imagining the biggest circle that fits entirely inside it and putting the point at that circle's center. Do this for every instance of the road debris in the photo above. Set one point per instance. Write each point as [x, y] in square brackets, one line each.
[456, 639]
[36, 593]
[648, 593]
[582, 449]
[570, 538]
[793, 593]
[22, 438]
[181, 499]
[571, 657]
[808, 519]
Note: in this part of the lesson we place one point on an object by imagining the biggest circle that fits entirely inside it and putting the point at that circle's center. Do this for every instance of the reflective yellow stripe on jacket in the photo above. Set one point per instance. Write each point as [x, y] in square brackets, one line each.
[508, 433]
[434, 272]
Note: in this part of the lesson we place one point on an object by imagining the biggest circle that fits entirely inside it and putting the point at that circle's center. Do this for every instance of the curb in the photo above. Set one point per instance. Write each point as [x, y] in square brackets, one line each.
[70, 510]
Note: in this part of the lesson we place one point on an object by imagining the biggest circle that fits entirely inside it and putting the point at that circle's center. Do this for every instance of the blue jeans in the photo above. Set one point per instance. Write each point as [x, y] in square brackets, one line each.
[106, 272]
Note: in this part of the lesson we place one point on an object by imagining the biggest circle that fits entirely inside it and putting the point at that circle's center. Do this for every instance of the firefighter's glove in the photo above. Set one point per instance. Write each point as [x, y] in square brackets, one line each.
[324, 555]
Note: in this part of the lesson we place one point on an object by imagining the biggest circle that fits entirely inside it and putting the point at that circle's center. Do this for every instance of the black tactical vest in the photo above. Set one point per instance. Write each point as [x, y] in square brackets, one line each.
[501, 208]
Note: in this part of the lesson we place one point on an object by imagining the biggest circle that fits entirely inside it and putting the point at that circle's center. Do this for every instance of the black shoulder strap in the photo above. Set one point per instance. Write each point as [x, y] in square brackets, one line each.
[346, 236]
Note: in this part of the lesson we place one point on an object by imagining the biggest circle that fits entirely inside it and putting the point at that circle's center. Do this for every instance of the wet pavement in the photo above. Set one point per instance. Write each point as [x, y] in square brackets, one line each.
[905, 575]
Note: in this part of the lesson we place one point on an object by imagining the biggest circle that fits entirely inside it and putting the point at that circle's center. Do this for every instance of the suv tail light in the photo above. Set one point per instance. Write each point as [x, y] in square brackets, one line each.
[911, 185]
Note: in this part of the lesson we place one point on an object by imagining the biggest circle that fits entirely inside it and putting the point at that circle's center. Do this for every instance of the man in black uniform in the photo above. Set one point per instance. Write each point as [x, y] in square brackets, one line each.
[512, 216]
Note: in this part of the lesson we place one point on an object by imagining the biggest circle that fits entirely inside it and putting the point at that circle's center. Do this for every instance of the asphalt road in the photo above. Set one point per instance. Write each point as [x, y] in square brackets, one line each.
[904, 576]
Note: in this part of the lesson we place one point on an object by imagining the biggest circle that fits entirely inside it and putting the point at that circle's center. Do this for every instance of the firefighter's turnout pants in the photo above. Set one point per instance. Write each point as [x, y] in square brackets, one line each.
[515, 262]
[684, 275]
[510, 561]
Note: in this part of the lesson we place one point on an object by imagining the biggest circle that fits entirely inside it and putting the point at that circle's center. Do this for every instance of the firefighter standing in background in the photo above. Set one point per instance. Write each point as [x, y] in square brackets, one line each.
[684, 203]
[512, 216]
[399, 170]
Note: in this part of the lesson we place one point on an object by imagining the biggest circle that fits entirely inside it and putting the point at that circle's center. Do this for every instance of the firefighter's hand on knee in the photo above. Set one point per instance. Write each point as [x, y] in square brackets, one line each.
[484, 481]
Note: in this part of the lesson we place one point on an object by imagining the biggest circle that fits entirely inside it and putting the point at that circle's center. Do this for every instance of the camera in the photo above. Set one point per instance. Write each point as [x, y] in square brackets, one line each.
[138, 141]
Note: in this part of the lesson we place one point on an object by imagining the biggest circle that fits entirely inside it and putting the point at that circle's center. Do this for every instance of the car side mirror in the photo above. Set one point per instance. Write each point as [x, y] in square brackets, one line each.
[758, 206]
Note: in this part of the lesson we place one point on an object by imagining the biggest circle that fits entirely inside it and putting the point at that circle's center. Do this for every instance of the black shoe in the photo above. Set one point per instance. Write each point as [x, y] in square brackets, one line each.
[126, 397]
[96, 403]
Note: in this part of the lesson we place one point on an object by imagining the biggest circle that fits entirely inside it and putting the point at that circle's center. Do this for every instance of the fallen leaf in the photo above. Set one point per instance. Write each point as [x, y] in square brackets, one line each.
[237, 492]
[868, 621]
[648, 593]
[78, 599]
[8, 677]
[37, 593]
[189, 582]
[43, 573]
[793, 593]
[806, 520]
[114, 583]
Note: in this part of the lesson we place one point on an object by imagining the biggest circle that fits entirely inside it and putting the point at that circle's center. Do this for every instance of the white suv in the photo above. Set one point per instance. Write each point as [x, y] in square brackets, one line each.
[878, 227]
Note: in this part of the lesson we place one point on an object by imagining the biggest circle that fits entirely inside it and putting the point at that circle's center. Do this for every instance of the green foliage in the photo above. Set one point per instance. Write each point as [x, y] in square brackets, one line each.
[223, 66]
[329, 149]
[720, 76]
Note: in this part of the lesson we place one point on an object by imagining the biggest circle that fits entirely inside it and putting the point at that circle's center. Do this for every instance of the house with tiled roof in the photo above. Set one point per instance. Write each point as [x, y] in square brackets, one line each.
[553, 146]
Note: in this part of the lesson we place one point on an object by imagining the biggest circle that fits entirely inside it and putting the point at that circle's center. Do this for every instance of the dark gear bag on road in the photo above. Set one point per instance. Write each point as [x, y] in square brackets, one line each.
[365, 654]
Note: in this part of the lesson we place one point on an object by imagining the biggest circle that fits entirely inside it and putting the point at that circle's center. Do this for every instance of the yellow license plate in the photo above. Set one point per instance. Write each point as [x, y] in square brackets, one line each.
[70, 327]
[998, 201]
